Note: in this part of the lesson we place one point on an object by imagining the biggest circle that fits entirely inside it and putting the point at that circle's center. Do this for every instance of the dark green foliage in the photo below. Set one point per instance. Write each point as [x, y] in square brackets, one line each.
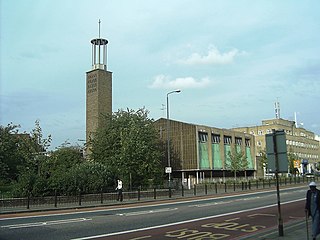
[10, 154]
[129, 145]
[126, 147]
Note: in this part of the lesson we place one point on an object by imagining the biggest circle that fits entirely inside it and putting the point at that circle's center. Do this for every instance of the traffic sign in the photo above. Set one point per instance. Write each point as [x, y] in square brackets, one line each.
[276, 147]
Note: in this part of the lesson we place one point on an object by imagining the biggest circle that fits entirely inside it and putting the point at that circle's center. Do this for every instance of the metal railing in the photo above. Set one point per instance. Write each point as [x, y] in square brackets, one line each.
[139, 194]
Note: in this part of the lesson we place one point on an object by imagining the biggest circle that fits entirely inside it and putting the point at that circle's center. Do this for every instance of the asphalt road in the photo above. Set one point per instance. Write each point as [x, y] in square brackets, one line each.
[225, 217]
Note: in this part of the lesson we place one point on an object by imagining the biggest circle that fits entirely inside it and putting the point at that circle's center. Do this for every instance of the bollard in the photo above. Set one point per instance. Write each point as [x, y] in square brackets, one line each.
[79, 197]
[205, 189]
[216, 187]
[28, 201]
[139, 193]
[170, 192]
[269, 182]
[154, 193]
[182, 190]
[55, 198]
[195, 190]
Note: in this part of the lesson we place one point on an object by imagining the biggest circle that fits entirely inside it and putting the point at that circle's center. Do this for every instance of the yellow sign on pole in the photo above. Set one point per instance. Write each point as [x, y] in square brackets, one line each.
[296, 163]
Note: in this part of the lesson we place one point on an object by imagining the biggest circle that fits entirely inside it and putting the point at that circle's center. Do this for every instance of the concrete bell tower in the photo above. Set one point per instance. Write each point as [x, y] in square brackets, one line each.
[98, 87]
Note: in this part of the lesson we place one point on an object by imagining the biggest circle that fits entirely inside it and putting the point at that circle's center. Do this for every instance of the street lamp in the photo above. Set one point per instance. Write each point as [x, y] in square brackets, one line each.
[168, 134]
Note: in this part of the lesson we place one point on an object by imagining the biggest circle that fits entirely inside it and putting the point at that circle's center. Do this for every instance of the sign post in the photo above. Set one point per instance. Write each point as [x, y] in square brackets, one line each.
[277, 162]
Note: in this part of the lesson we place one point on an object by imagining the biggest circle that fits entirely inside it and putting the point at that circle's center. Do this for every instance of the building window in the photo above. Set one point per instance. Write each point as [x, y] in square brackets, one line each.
[203, 137]
[259, 143]
[252, 132]
[227, 140]
[260, 132]
[269, 131]
[238, 141]
[215, 138]
[247, 142]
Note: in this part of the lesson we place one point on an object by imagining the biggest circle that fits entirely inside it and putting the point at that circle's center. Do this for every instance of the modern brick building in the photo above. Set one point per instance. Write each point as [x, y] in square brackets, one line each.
[201, 152]
[300, 142]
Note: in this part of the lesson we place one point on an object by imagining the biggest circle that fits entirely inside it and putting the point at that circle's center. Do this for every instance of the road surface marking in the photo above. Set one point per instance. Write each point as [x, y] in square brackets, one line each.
[182, 222]
[147, 212]
[152, 205]
[222, 202]
[42, 224]
[138, 238]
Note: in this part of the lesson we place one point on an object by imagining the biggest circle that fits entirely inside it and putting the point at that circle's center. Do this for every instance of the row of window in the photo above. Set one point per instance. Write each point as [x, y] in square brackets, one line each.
[301, 155]
[305, 155]
[260, 132]
[301, 134]
[302, 144]
[215, 138]
[295, 143]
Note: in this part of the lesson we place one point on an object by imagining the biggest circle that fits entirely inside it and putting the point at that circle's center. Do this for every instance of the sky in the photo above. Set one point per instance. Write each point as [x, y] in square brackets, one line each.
[232, 60]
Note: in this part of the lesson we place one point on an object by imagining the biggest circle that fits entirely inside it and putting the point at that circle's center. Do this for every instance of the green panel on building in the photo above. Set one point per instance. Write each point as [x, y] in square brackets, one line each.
[203, 156]
[238, 149]
[227, 149]
[217, 161]
[249, 158]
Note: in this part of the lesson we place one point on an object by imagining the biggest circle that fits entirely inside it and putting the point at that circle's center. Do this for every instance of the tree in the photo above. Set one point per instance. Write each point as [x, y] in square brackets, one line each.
[291, 158]
[21, 156]
[262, 160]
[59, 164]
[10, 156]
[237, 162]
[34, 148]
[129, 145]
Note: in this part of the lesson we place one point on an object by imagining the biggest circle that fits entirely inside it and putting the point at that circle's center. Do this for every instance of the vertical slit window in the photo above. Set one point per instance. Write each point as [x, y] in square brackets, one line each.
[215, 138]
[227, 140]
[247, 142]
[203, 137]
[238, 141]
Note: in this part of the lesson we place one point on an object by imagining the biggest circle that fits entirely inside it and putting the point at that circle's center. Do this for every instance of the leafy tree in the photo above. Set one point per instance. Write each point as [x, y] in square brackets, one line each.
[87, 177]
[238, 162]
[34, 148]
[21, 155]
[129, 145]
[10, 156]
[59, 164]
[262, 158]
[291, 158]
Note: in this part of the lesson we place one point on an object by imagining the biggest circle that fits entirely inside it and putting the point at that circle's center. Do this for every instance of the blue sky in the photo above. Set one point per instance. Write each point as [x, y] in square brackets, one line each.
[231, 59]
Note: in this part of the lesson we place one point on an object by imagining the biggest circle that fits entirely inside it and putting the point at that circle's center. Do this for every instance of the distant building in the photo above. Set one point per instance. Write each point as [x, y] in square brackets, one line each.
[201, 152]
[300, 142]
[98, 88]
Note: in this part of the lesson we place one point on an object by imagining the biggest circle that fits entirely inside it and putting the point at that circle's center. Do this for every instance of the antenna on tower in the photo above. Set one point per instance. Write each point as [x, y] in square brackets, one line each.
[99, 52]
[295, 119]
[99, 27]
[277, 109]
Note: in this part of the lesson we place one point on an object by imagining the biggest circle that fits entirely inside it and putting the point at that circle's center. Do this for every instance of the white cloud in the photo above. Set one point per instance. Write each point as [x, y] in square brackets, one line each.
[214, 56]
[162, 81]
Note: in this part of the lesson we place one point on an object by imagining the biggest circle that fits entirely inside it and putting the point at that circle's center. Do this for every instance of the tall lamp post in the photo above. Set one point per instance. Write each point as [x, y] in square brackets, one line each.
[168, 134]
